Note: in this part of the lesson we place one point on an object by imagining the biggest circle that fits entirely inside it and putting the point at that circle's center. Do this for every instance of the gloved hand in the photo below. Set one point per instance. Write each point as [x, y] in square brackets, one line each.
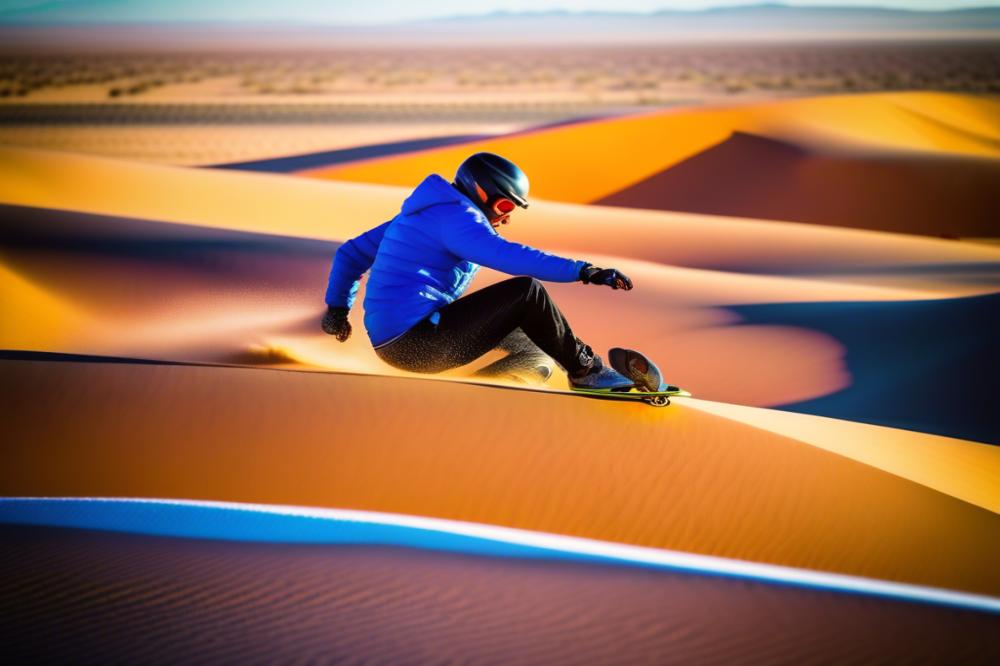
[335, 323]
[607, 276]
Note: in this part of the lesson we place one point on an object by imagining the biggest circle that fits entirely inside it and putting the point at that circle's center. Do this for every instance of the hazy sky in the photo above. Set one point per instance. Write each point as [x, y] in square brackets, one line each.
[373, 11]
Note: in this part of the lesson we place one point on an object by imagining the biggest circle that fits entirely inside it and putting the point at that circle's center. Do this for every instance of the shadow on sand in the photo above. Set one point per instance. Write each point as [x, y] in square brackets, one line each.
[929, 366]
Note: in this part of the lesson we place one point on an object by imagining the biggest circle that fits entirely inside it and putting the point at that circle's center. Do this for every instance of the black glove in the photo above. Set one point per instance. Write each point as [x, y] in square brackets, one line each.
[335, 323]
[607, 276]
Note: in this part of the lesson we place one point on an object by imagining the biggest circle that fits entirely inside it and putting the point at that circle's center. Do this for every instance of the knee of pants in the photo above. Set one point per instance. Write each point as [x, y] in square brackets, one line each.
[529, 284]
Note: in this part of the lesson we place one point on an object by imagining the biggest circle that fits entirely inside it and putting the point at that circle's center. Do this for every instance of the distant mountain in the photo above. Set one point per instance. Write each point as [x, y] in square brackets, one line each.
[204, 25]
[750, 20]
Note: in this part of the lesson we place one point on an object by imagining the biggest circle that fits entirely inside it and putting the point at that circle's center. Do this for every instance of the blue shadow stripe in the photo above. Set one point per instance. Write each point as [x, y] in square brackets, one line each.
[288, 524]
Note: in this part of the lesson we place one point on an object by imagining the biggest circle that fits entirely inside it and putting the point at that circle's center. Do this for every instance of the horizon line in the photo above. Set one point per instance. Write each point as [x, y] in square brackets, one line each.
[496, 14]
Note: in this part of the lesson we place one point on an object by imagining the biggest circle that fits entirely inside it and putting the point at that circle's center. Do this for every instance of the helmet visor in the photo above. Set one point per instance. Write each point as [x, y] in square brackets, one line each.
[503, 206]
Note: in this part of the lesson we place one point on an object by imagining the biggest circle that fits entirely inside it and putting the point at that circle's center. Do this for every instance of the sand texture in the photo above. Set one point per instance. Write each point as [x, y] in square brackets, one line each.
[680, 478]
[332, 604]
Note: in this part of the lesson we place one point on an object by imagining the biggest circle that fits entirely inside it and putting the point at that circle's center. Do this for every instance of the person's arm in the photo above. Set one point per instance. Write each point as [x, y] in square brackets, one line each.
[350, 262]
[471, 237]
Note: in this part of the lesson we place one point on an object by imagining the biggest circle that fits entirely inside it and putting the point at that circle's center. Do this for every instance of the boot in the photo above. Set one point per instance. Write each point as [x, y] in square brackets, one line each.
[600, 377]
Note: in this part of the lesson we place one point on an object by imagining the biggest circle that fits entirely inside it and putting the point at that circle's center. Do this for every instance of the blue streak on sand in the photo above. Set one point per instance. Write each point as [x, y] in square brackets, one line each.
[292, 524]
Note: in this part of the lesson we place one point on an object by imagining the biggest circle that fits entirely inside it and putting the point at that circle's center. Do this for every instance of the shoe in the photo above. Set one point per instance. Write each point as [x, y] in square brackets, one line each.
[601, 377]
[637, 367]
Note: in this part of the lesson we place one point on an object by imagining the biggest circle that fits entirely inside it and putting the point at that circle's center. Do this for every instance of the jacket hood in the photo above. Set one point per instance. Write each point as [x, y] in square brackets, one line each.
[433, 191]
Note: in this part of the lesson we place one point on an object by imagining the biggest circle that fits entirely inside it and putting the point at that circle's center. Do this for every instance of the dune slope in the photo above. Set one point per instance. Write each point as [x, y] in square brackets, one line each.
[677, 478]
[184, 293]
[923, 365]
[816, 160]
[141, 288]
[309, 603]
[330, 210]
[752, 176]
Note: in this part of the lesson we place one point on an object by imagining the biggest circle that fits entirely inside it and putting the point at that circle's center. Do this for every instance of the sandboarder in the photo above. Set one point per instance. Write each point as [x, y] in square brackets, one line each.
[423, 259]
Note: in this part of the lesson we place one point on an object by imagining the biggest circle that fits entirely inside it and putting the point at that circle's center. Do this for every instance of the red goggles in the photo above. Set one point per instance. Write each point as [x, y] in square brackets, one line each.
[503, 206]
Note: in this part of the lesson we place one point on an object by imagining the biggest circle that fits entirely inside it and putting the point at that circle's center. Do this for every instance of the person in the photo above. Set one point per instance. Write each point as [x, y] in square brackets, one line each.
[422, 261]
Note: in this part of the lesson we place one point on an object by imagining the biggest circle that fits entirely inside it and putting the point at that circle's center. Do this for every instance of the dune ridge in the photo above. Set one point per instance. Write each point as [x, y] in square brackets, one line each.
[843, 160]
[266, 203]
[255, 299]
[962, 469]
[891, 121]
[752, 176]
[684, 479]
[235, 297]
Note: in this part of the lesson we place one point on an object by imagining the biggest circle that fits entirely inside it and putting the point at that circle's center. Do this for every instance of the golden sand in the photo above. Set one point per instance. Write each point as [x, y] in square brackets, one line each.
[679, 478]
[265, 203]
[687, 268]
[572, 163]
[704, 477]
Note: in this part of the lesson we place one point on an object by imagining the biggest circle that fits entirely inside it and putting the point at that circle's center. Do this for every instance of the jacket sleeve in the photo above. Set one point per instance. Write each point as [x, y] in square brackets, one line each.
[471, 237]
[350, 262]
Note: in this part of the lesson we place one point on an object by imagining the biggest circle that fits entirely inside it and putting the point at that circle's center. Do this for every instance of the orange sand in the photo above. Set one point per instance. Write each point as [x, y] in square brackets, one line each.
[687, 268]
[699, 476]
[679, 478]
[573, 163]
[891, 137]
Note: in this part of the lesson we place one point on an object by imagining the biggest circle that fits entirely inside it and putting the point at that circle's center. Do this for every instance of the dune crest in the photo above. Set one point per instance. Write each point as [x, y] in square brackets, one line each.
[845, 160]
[274, 204]
[753, 176]
[53, 321]
[967, 470]
[244, 286]
[683, 479]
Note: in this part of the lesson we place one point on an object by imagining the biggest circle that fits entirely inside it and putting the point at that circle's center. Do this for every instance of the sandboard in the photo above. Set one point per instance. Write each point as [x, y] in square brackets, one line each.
[655, 398]
[649, 386]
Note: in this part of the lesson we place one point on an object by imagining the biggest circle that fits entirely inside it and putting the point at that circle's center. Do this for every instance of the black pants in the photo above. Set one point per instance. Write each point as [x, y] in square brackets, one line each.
[516, 315]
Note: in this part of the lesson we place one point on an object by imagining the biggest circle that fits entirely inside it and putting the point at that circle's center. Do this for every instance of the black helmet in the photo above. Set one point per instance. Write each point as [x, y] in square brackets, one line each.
[493, 176]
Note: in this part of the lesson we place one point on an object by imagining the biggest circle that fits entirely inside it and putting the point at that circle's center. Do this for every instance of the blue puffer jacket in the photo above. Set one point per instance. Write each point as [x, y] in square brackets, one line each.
[425, 258]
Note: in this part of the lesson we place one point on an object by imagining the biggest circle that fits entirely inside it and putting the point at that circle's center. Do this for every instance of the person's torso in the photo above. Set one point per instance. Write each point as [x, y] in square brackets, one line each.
[413, 275]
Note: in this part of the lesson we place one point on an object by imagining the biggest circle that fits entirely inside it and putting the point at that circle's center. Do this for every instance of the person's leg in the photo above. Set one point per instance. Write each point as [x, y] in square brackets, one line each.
[524, 360]
[475, 324]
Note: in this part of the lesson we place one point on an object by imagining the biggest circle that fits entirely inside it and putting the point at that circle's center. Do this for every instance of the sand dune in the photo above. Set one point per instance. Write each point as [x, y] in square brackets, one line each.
[909, 361]
[336, 211]
[869, 153]
[682, 478]
[244, 287]
[195, 271]
[184, 293]
[216, 198]
[54, 320]
[153, 290]
[316, 603]
[752, 176]
[208, 140]
[572, 164]
[961, 469]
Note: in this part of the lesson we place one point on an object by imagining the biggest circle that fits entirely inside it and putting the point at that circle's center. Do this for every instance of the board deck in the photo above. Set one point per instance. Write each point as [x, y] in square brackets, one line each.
[633, 395]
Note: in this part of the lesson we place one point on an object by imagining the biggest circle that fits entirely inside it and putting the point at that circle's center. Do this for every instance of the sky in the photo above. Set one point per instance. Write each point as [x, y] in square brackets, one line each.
[377, 11]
